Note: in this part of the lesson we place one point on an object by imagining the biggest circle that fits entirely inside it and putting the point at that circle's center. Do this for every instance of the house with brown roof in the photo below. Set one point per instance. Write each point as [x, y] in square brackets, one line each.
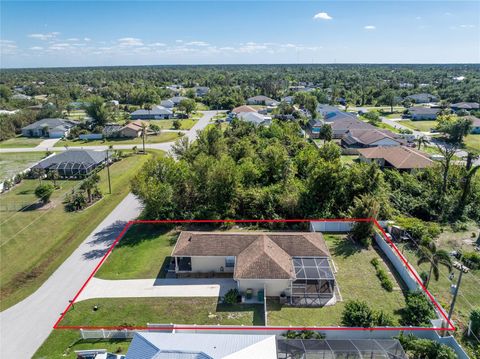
[243, 108]
[292, 265]
[132, 129]
[363, 138]
[399, 157]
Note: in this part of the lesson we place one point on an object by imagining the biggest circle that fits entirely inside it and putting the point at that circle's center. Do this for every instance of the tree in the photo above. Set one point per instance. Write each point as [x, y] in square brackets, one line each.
[181, 148]
[475, 321]
[422, 140]
[467, 179]
[177, 124]
[454, 130]
[429, 254]
[97, 110]
[188, 105]
[417, 348]
[326, 133]
[54, 176]
[364, 207]
[357, 313]
[418, 310]
[44, 191]
[144, 127]
[373, 117]
[390, 99]
[90, 184]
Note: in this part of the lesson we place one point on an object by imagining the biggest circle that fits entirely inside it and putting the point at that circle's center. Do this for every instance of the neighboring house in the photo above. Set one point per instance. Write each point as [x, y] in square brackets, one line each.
[475, 125]
[114, 103]
[243, 108]
[167, 104]
[156, 113]
[201, 91]
[73, 162]
[21, 96]
[255, 118]
[465, 106]
[175, 89]
[111, 130]
[342, 125]
[398, 157]
[363, 138]
[49, 127]
[422, 98]
[133, 129]
[293, 265]
[7, 112]
[287, 99]
[262, 100]
[177, 99]
[423, 113]
[331, 113]
[155, 345]
[314, 126]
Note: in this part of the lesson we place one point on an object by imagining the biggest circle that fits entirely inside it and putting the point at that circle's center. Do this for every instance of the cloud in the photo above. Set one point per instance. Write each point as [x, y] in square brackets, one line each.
[157, 44]
[467, 26]
[369, 27]
[44, 37]
[73, 39]
[197, 43]
[8, 47]
[36, 48]
[129, 41]
[87, 39]
[322, 16]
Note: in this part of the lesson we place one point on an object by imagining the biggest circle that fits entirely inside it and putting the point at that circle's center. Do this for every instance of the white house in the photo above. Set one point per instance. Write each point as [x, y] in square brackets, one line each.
[156, 113]
[255, 118]
[49, 127]
[262, 100]
[167, 104]
[293, 265]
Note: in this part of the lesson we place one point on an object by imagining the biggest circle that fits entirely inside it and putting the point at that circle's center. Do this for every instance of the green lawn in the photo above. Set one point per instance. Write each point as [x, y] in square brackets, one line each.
[349, 159]
[63, 343]
[34, 243]
[393, 115]
[473, 142]
[13, 163]
[386, 126]
[179, 310]
[423, 126]
[356, 279]
[168, 124]
[162, 137]
[145, 248]
[20, 141]
[202, 107]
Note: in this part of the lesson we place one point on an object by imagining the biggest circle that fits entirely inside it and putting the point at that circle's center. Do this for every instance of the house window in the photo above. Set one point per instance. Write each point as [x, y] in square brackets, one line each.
[229, 262]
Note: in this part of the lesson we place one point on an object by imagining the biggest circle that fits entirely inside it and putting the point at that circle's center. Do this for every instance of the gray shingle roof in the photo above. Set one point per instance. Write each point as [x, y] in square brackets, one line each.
[50, 123]
[156, 110]
[86, 157]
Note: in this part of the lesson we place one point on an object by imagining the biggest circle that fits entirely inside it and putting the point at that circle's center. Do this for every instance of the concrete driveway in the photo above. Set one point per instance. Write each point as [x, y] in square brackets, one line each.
[182, 287]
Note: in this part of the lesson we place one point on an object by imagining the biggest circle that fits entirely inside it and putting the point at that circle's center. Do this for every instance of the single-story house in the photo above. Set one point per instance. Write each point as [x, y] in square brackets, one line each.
[177, 99]
[201, 91]
[314, 126]
[423, 113]
[465, 106]
[73, 162]
[133, 129]
[243, 108]
[422, 98]
[362, 138]
[475, 125]
[111, 130]
[21, 96]
[342, 125]
[293, 265]
[156, 113]
[398, 157]
[155, 345]
[167, 104]
[255, 118]
[49, 127]
[331, 113]
[262, 100]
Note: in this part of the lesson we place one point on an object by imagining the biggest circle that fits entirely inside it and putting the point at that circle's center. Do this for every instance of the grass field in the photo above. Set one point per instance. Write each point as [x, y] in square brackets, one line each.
[423, 126]
[13, 163]
[473, 142]
[168, 124]
[356, 279]
[145, 248]
[162, 137]
[386, 126]
[178, 310]
[28, 260]
[20, 141]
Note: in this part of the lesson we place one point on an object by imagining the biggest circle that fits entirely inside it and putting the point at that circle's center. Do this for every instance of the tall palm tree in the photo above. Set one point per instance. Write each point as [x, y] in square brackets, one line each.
[422, 140]
[144, 134]
[429, 254]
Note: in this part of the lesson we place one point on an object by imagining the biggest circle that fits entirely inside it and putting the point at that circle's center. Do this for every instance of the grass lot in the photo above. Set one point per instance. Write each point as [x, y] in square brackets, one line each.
[162, 137]
[357, 280]
[63, 343]
[13, 163]
[423, 126]
[168, 124]
[145, 248]
[393, 115]
[202, 107]
[27, 259]
[473, 142]
[76, 115]
[386, 126]
[20, 141]
[178, 310]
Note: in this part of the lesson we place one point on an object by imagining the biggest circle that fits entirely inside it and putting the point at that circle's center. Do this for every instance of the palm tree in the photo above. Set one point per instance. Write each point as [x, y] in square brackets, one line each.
[429, 254]
[144, 134]
[422, 140]
[54, 176]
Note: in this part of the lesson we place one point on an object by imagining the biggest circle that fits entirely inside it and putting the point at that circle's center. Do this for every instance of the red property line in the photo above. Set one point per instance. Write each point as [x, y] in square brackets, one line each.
[57, 325]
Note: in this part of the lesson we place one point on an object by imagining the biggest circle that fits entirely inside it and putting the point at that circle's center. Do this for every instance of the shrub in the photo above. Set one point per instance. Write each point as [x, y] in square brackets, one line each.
[419, 230]
[231, 297]
[382, 275]
[417, 348]
[383, 319]
[375, 262]
[471, 259]
[357, 313]
[44, 191]
[475, 320]
[304, 334]
[418, 310]
[177, 125]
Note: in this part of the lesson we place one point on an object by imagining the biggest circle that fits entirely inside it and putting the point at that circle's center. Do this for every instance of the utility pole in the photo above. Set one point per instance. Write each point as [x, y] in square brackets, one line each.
[108, 176]
[450, 312]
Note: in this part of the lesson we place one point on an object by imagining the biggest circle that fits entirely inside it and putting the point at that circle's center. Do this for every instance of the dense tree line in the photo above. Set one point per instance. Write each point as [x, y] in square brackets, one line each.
[259, 172]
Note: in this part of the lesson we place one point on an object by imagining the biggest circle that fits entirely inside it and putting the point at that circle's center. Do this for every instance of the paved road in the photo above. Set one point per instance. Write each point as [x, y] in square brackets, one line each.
[185, 287]
[394, 123]
[191, 134]
[25, 326]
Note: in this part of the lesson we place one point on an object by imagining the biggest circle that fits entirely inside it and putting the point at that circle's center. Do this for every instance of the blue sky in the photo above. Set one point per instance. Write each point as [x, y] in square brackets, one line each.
[91, 33]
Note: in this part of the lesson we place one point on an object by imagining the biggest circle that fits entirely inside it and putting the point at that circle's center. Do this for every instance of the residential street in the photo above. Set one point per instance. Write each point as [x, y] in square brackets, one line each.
[26, 325]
